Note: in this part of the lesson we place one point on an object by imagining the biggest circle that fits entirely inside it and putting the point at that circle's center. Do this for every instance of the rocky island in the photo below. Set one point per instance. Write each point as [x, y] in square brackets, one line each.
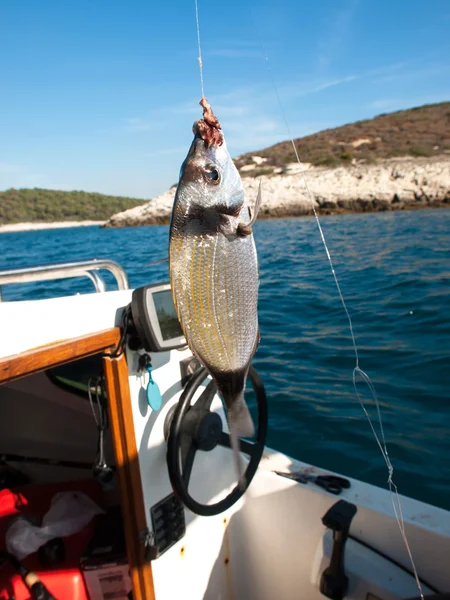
[396, 161]
[391, 184]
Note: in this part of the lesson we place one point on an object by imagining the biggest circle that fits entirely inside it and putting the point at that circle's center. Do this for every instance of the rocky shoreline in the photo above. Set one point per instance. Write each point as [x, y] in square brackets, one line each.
[390, 184]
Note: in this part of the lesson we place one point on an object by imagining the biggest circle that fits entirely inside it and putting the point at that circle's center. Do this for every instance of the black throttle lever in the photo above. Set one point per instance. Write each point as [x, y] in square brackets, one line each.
[338, 518]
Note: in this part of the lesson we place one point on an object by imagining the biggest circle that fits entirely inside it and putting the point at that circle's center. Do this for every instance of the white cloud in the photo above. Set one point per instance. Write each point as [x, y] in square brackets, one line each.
[235, 107]
[249, 115]
[313, 87]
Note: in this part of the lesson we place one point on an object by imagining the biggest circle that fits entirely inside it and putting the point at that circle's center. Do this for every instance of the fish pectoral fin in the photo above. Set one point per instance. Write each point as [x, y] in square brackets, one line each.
[246, 228]
[257, 204]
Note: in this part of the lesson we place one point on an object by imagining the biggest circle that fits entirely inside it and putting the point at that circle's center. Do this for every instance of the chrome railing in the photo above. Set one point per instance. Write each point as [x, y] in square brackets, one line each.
[83, 268]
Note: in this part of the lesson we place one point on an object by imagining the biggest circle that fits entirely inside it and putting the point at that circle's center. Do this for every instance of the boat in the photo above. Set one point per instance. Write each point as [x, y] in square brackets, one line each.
[102, 402]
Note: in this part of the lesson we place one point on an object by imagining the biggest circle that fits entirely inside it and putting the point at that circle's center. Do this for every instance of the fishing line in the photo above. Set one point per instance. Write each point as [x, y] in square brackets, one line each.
[395, 500]
[396, 504]
[200, 61]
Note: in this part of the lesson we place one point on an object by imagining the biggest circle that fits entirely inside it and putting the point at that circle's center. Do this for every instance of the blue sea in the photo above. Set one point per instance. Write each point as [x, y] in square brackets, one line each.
[394, 272]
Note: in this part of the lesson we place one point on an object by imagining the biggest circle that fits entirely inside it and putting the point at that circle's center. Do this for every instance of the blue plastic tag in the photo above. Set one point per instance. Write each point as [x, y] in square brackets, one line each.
[154, 397]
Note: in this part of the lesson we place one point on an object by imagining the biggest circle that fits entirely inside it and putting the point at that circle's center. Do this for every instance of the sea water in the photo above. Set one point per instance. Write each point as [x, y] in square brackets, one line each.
[394, 272]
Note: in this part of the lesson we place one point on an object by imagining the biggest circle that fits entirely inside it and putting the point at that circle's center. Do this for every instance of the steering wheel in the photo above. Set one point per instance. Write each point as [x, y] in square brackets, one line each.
[190, 428]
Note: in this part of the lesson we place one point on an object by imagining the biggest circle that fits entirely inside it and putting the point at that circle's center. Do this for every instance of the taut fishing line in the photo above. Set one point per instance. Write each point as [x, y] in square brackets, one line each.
[200, 60]
[357, 371]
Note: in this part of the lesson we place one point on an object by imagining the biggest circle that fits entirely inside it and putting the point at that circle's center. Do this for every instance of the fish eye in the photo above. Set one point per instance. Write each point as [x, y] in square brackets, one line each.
[212, 175]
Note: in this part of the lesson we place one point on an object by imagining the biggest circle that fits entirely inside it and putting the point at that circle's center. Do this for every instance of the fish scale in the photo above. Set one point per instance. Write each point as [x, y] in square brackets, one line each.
[215, 306]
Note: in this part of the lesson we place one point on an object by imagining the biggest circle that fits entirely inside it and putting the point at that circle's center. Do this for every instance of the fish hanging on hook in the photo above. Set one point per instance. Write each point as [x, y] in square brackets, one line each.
[214, 269]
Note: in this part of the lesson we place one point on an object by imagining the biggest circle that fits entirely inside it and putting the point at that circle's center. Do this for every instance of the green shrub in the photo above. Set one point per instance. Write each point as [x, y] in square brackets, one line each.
[259, 172]
[420, 151]
[326, 161]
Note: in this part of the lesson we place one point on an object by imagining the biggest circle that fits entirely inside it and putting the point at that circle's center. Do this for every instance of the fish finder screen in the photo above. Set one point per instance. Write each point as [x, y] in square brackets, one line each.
[167, 315]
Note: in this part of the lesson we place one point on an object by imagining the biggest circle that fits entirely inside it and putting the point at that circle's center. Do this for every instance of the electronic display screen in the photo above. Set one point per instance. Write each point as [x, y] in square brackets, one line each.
[167, 315]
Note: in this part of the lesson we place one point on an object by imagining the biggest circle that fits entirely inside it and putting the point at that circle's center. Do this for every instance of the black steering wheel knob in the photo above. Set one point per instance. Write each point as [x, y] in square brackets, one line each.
[208, 432]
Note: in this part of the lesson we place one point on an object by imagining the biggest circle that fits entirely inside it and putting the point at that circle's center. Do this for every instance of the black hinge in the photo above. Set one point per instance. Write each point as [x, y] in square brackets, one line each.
[151, 551]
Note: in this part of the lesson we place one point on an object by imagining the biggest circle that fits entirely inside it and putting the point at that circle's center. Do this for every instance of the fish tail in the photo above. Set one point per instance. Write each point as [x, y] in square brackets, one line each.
[240, 423]
[240, 418]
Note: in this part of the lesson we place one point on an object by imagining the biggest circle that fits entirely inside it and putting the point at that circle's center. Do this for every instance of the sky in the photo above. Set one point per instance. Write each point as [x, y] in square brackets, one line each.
[101, 95]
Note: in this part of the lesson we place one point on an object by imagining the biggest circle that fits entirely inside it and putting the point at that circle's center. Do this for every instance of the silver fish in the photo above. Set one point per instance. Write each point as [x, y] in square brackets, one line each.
[214, 270]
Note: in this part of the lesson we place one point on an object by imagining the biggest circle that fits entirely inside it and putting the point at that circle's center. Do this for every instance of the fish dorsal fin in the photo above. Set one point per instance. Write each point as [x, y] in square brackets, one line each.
[246, 228]
[257, 205]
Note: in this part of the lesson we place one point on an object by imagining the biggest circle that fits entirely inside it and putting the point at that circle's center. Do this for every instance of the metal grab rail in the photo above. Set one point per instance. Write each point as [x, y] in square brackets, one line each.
[83, 268]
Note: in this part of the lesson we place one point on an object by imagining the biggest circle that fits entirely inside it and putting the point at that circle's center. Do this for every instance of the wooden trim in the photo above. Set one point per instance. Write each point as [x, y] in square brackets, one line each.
[58, 353]
[127, 464]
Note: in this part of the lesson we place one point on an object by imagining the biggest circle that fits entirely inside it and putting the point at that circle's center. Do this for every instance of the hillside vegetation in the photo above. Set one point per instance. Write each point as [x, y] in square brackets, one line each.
[421, 131]
[44, 206]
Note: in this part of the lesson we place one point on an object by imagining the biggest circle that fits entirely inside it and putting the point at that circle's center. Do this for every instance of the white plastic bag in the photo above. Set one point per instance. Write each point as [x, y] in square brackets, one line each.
[23, 538]
[69, 513]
